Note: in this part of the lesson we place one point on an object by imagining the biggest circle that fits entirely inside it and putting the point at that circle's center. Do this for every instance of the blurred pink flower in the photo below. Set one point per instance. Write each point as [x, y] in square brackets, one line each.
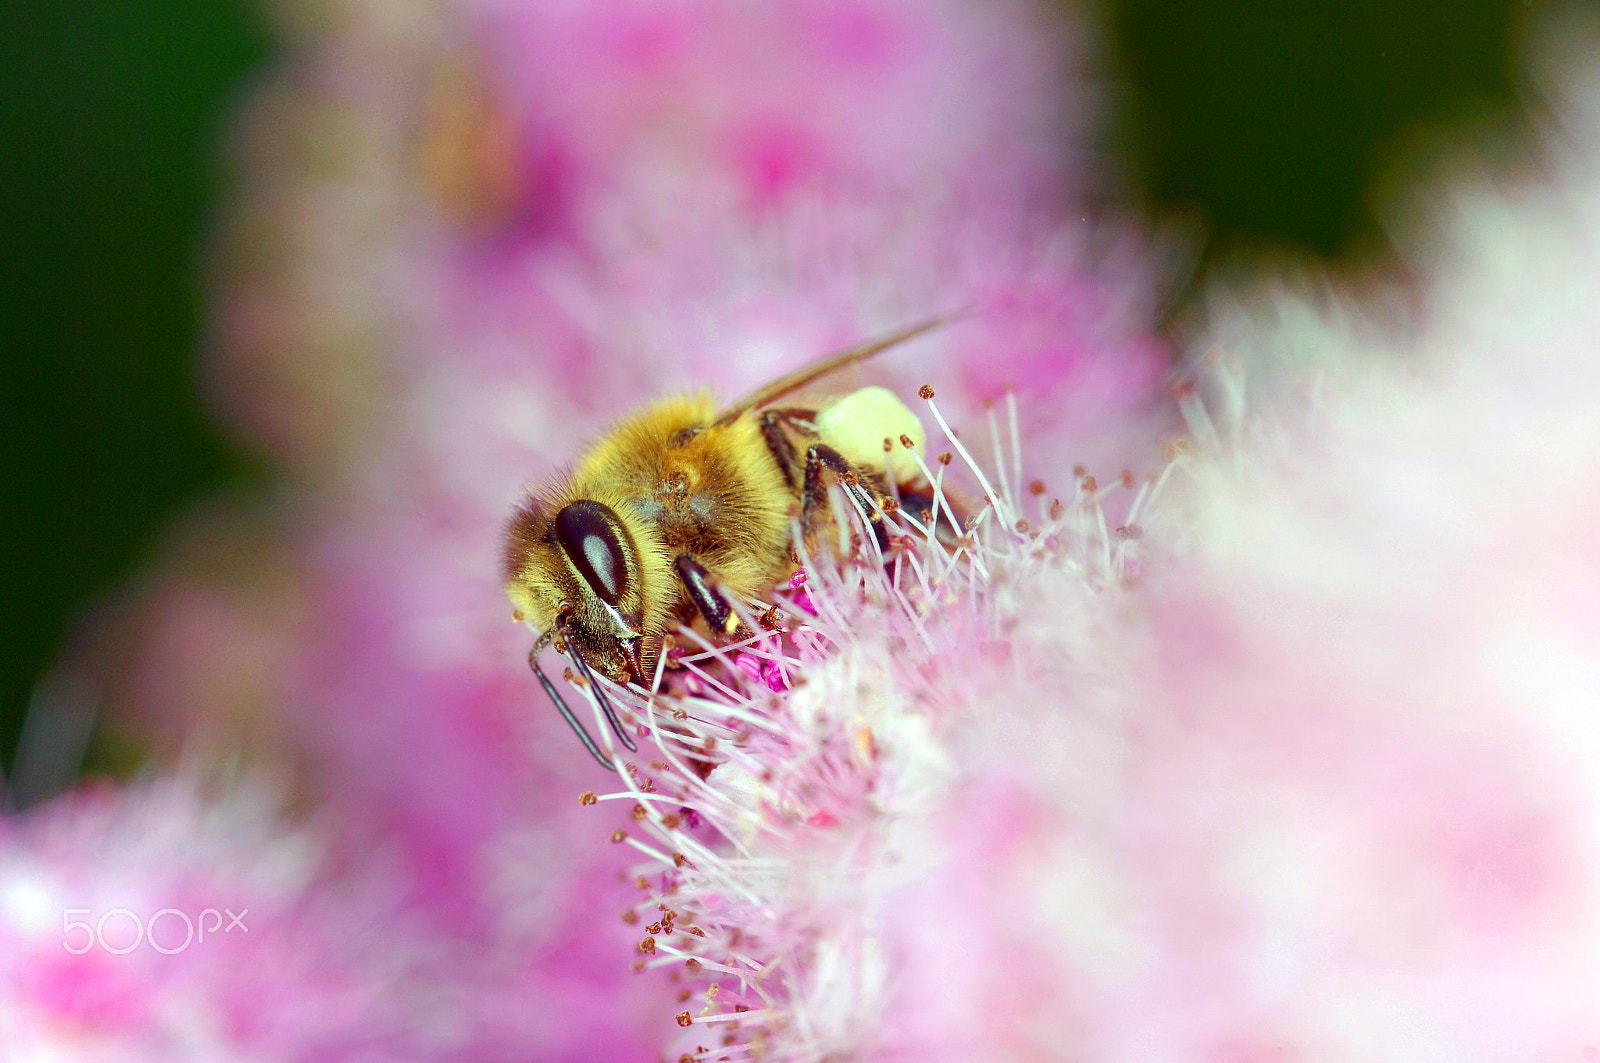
[158, 923]
[176, 919]
[518, 220]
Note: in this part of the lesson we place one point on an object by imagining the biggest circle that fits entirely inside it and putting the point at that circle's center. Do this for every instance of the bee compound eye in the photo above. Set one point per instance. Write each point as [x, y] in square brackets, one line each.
[588, 532]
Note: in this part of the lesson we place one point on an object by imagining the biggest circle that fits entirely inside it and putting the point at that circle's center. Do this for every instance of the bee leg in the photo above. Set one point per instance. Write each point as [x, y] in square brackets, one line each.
[600, 696]
[566, 713]
[820, 456]
[703, 592]
[773, 425]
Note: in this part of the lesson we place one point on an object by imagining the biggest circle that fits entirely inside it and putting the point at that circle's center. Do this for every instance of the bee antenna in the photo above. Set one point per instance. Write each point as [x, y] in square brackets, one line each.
[566, 713]
[600, 695]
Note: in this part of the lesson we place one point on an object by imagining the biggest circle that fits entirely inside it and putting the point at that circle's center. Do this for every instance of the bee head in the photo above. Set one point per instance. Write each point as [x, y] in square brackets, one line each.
[577, 575]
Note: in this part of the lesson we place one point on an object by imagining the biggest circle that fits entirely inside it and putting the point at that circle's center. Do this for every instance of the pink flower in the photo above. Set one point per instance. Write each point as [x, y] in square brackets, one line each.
[161, 923]
[571, 207]
[870, 780]
[179, 920]
[1295, 759]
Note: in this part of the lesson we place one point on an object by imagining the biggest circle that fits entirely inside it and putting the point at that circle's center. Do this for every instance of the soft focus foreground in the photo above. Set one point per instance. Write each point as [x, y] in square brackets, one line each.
[1281, 747]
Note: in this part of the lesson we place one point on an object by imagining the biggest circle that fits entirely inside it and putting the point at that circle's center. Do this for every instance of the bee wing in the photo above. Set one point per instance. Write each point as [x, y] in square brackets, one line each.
[806, 374]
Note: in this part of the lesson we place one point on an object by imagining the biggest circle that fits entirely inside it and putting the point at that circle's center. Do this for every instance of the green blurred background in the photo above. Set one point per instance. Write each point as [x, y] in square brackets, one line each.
[1264, 122]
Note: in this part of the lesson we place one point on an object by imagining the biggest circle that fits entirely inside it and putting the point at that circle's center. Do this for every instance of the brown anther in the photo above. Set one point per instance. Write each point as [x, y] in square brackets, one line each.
[1023, 525]
[671, 821]
[891, 506]
[712, 990]
[697, 932]
[1089, 483]
[850, 479]
[679, 859]
[648, 786]
[772, 620]
[618, 835]
[692, 965]
[888, 444]
[641, 882]
[684, 994]
[567, 673]
[588, 798]
[945, 458]
[630, 918]
[638, 966]
[679, 714]
[1127, 478]
[741, 1007]
[925, 392]
[653, 928]
[516, 616]
[560, 644]
[1055, 509]
[648, 945]
[905, 441]
[640, 812]
[684, 1019]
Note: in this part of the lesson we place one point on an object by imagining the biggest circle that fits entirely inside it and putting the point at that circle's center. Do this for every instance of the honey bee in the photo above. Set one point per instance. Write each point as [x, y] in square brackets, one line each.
[683, 509]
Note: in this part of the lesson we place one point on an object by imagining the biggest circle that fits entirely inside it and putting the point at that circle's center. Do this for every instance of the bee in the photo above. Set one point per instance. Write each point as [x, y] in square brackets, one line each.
[683, 509]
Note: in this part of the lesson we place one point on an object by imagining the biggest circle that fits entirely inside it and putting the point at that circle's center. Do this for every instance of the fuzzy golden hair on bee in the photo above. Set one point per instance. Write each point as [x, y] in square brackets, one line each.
[683, 515]
[712, 490]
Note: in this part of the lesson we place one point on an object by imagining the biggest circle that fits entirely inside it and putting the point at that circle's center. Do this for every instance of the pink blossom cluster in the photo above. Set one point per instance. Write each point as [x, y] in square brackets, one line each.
[159, 922]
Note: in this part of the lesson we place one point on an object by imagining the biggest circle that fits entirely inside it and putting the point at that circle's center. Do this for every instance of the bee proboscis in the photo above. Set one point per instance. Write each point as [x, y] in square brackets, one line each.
[682, 509]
